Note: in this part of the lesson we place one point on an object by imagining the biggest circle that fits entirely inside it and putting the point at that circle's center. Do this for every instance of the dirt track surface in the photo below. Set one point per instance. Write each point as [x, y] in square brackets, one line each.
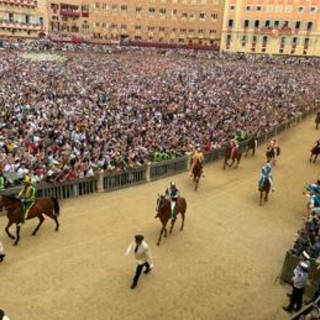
[222, 266]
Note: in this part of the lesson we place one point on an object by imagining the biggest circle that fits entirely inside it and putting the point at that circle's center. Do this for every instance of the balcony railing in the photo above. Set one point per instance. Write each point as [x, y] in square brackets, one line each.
[27, 3]
[20, 26]
[70, 13]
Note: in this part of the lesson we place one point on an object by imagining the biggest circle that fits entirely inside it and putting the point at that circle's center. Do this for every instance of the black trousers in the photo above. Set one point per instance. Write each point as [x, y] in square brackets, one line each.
[139, 270]
[296, 299]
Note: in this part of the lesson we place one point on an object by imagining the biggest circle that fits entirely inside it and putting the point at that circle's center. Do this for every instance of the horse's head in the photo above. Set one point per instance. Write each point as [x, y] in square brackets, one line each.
[161, 201]
[8, 202]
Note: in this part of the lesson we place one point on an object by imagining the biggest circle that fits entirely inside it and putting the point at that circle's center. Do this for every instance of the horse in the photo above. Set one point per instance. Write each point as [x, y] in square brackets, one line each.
[315, 151]
[272, 153]
[164, 214]
[197, 171]
[264, 188]
[227, 156]
[252, 145]
[48, 206]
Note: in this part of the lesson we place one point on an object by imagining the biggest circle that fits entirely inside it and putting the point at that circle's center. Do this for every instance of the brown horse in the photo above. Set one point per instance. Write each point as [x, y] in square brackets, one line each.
[164, 213]
[317, 120]
[14, 207]
[227, 155]
[252, 145]
[264, 188]
[315, 151]
[197, 171]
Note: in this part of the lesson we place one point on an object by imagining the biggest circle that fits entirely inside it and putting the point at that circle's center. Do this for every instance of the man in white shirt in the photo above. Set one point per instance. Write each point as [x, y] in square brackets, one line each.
[143, 257]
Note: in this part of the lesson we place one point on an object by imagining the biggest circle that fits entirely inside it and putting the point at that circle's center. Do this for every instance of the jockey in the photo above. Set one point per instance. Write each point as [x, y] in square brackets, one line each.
[317, 144]
[266, 173]
[173, 194]
[234, 146]
[197, 155]
[27, 196]
[314, 187]
[314, 200]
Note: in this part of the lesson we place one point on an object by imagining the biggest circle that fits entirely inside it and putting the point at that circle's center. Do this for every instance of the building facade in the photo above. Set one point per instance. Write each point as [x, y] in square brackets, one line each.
[267, 26]
[23, 18]
[174, 21]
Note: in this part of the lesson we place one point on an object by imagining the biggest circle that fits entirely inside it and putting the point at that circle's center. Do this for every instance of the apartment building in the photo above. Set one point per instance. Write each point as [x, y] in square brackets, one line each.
[176, 21]
[23, 18]
[269, 26]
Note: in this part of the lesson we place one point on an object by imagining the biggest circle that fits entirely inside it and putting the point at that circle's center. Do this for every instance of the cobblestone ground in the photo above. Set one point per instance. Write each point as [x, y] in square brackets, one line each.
[222, 266]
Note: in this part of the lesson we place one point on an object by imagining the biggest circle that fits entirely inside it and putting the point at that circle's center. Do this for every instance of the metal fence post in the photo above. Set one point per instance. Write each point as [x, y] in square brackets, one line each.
[76, 189]
[189, 154]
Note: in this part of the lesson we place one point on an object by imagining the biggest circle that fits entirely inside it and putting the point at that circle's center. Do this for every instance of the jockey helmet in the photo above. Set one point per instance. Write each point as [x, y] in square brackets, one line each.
[198, 148]
[172, 184]
[26, 179]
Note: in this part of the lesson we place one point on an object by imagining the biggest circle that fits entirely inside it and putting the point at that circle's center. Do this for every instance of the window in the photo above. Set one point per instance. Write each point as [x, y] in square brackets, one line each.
[191, 30]
[259, 8]
[306, 41]
[256, 23]
[41, 21]
[248, 8]
[114, 7]
[276, 24]
[174, 12]
[229, 38]
[267, 23]
[113, 26]
[230, 23]
[152, 10]
[138, 27]
[184, 15]
[27, 19]
[313, 9]
[163, 11]
[244, 38]
[295, 41]
[300, 9]
[150, 28]
[309, 26]
[286, 24]
[183, 30]
[212, 31]
[254, 39]
[214, 16]
[283, 40]
[246, 24]
[265, 39]
[297, 25]
[232, 7]
[201, 31]
[123, 26]
[10, 17]
[138, 9]
[124, 8]
[162, 29]
[202, 15]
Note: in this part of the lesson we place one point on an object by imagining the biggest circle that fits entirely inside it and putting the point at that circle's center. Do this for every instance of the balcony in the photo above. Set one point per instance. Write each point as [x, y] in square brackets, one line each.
[20, 26]
[69, 13]
[26, 3]
[85, 14]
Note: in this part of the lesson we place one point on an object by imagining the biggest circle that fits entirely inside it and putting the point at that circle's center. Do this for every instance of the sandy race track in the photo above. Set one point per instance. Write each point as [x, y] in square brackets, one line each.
[222, 266]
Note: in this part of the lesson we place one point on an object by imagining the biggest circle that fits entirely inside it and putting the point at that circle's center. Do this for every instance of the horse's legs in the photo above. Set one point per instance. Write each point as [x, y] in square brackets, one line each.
[315, 158]
[9, 224]
[261, 194]
[160, 236]
[172, 224]
[247, 151]
[57, 223]
[197, 183]
[18, 234]
[266, 197]
[182, 221]
[225, 163]
[253, 151]
[41, 219]
[230, 165]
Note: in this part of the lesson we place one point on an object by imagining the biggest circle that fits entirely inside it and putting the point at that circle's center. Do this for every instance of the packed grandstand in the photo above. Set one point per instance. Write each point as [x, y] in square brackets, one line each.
[74, 117]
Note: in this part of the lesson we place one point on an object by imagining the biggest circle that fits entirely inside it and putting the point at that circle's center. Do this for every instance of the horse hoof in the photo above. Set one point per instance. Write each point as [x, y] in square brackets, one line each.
[34, 233]
[56, 230]
[158, 244]
[15, 243]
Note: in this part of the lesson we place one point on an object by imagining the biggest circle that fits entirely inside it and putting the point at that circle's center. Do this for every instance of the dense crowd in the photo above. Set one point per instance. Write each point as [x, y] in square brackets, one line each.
[61, 120]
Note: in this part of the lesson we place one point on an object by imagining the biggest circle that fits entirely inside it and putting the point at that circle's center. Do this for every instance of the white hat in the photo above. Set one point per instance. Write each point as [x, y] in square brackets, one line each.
[304, 266]
[305, 254]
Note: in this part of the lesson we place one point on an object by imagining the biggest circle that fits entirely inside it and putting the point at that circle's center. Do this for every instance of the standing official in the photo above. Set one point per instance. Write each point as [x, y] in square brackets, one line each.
[143, 257]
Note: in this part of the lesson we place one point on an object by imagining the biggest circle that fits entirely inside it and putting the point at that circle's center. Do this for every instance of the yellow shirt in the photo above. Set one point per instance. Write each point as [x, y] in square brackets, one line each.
[198, 155]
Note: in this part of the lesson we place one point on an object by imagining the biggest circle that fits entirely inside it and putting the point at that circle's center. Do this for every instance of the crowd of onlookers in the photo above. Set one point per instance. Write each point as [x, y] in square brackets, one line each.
[61, 120]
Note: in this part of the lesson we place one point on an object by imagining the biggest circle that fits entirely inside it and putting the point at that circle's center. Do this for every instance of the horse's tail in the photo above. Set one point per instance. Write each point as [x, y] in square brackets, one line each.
[56, 206]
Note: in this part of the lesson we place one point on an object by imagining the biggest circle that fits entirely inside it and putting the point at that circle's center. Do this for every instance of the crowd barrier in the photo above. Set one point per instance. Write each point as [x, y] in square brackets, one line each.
[150, 172]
